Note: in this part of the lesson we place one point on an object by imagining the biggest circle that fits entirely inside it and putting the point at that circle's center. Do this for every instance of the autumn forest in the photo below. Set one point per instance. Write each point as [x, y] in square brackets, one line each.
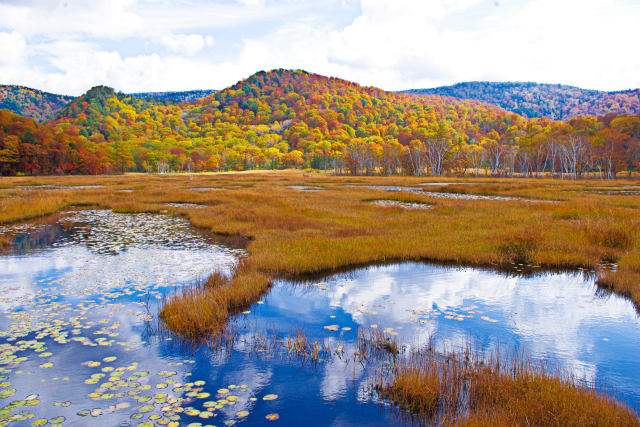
[294, 119]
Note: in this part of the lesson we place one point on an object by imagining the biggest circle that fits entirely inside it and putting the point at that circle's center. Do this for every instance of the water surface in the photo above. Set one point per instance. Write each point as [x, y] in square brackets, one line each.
[79, 335]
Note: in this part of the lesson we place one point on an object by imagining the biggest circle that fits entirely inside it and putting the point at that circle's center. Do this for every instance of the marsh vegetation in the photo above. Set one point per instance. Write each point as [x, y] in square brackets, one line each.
[500, 253]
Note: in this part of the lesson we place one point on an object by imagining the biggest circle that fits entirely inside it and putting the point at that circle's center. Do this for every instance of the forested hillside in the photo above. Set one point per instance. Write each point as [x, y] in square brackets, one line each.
[557, 102]
[32, 103]
[44, 106]
[289, 118]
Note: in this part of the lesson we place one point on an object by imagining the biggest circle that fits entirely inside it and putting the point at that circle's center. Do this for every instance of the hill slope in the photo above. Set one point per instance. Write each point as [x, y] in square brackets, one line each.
[33, 103]
[557, 102]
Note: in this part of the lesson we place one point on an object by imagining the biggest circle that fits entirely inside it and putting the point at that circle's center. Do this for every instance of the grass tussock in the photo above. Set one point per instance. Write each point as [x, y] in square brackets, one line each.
[521, 246]
[203, 309]
[464, 388]
[611, 236]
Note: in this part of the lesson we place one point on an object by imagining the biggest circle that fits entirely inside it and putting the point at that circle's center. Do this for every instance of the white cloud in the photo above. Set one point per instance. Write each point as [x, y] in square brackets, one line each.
[252, 3]
[102, 18]
[13, 50]
[187, 44]
[157, 45]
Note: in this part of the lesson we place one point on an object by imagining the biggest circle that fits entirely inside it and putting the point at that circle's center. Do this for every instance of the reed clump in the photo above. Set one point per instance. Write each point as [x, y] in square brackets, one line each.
[373, 340]
[203, 309]
[416, 390]
[298, 345]
[470, 389]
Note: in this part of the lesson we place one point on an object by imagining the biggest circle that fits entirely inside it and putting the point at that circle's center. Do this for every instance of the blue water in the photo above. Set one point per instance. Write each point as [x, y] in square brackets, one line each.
[87, 287]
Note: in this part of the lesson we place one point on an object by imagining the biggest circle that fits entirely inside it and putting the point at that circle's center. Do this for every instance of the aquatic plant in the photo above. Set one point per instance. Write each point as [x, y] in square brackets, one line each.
[371, 340]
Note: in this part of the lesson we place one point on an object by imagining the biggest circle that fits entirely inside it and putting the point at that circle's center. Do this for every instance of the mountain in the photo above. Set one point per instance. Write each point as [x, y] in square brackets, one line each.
[557, 102]
[33, 103]
[292, 118]
[43, 106]
[182, 96]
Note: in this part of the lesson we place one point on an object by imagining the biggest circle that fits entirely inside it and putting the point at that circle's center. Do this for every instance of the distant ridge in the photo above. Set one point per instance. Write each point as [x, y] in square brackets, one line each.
[555, 101]
[33, 103]
[529, 99]
[43, 106]
[179, 96]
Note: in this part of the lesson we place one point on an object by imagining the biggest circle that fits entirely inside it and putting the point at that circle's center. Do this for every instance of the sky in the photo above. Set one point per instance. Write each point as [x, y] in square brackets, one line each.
[68, 46]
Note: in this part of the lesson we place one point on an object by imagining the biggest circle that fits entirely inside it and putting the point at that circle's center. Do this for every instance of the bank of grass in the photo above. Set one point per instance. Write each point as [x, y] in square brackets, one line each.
[291, 233]
[22, 206]
[466, 389]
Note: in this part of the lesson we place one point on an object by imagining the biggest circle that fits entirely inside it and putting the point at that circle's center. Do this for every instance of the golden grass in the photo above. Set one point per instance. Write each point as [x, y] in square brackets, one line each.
[5, 242]
[464, 388]
[36, 204]
[202, 310]
[291, 233]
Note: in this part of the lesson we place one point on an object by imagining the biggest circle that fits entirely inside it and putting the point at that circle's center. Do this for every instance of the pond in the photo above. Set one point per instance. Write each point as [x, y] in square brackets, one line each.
[57, 187]
[305, 188]
[398, 204]
[443, 195]
[80, 344]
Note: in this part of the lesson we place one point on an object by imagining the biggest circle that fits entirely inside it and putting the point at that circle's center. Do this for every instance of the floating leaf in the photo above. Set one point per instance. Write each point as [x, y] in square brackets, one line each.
[6, 393]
